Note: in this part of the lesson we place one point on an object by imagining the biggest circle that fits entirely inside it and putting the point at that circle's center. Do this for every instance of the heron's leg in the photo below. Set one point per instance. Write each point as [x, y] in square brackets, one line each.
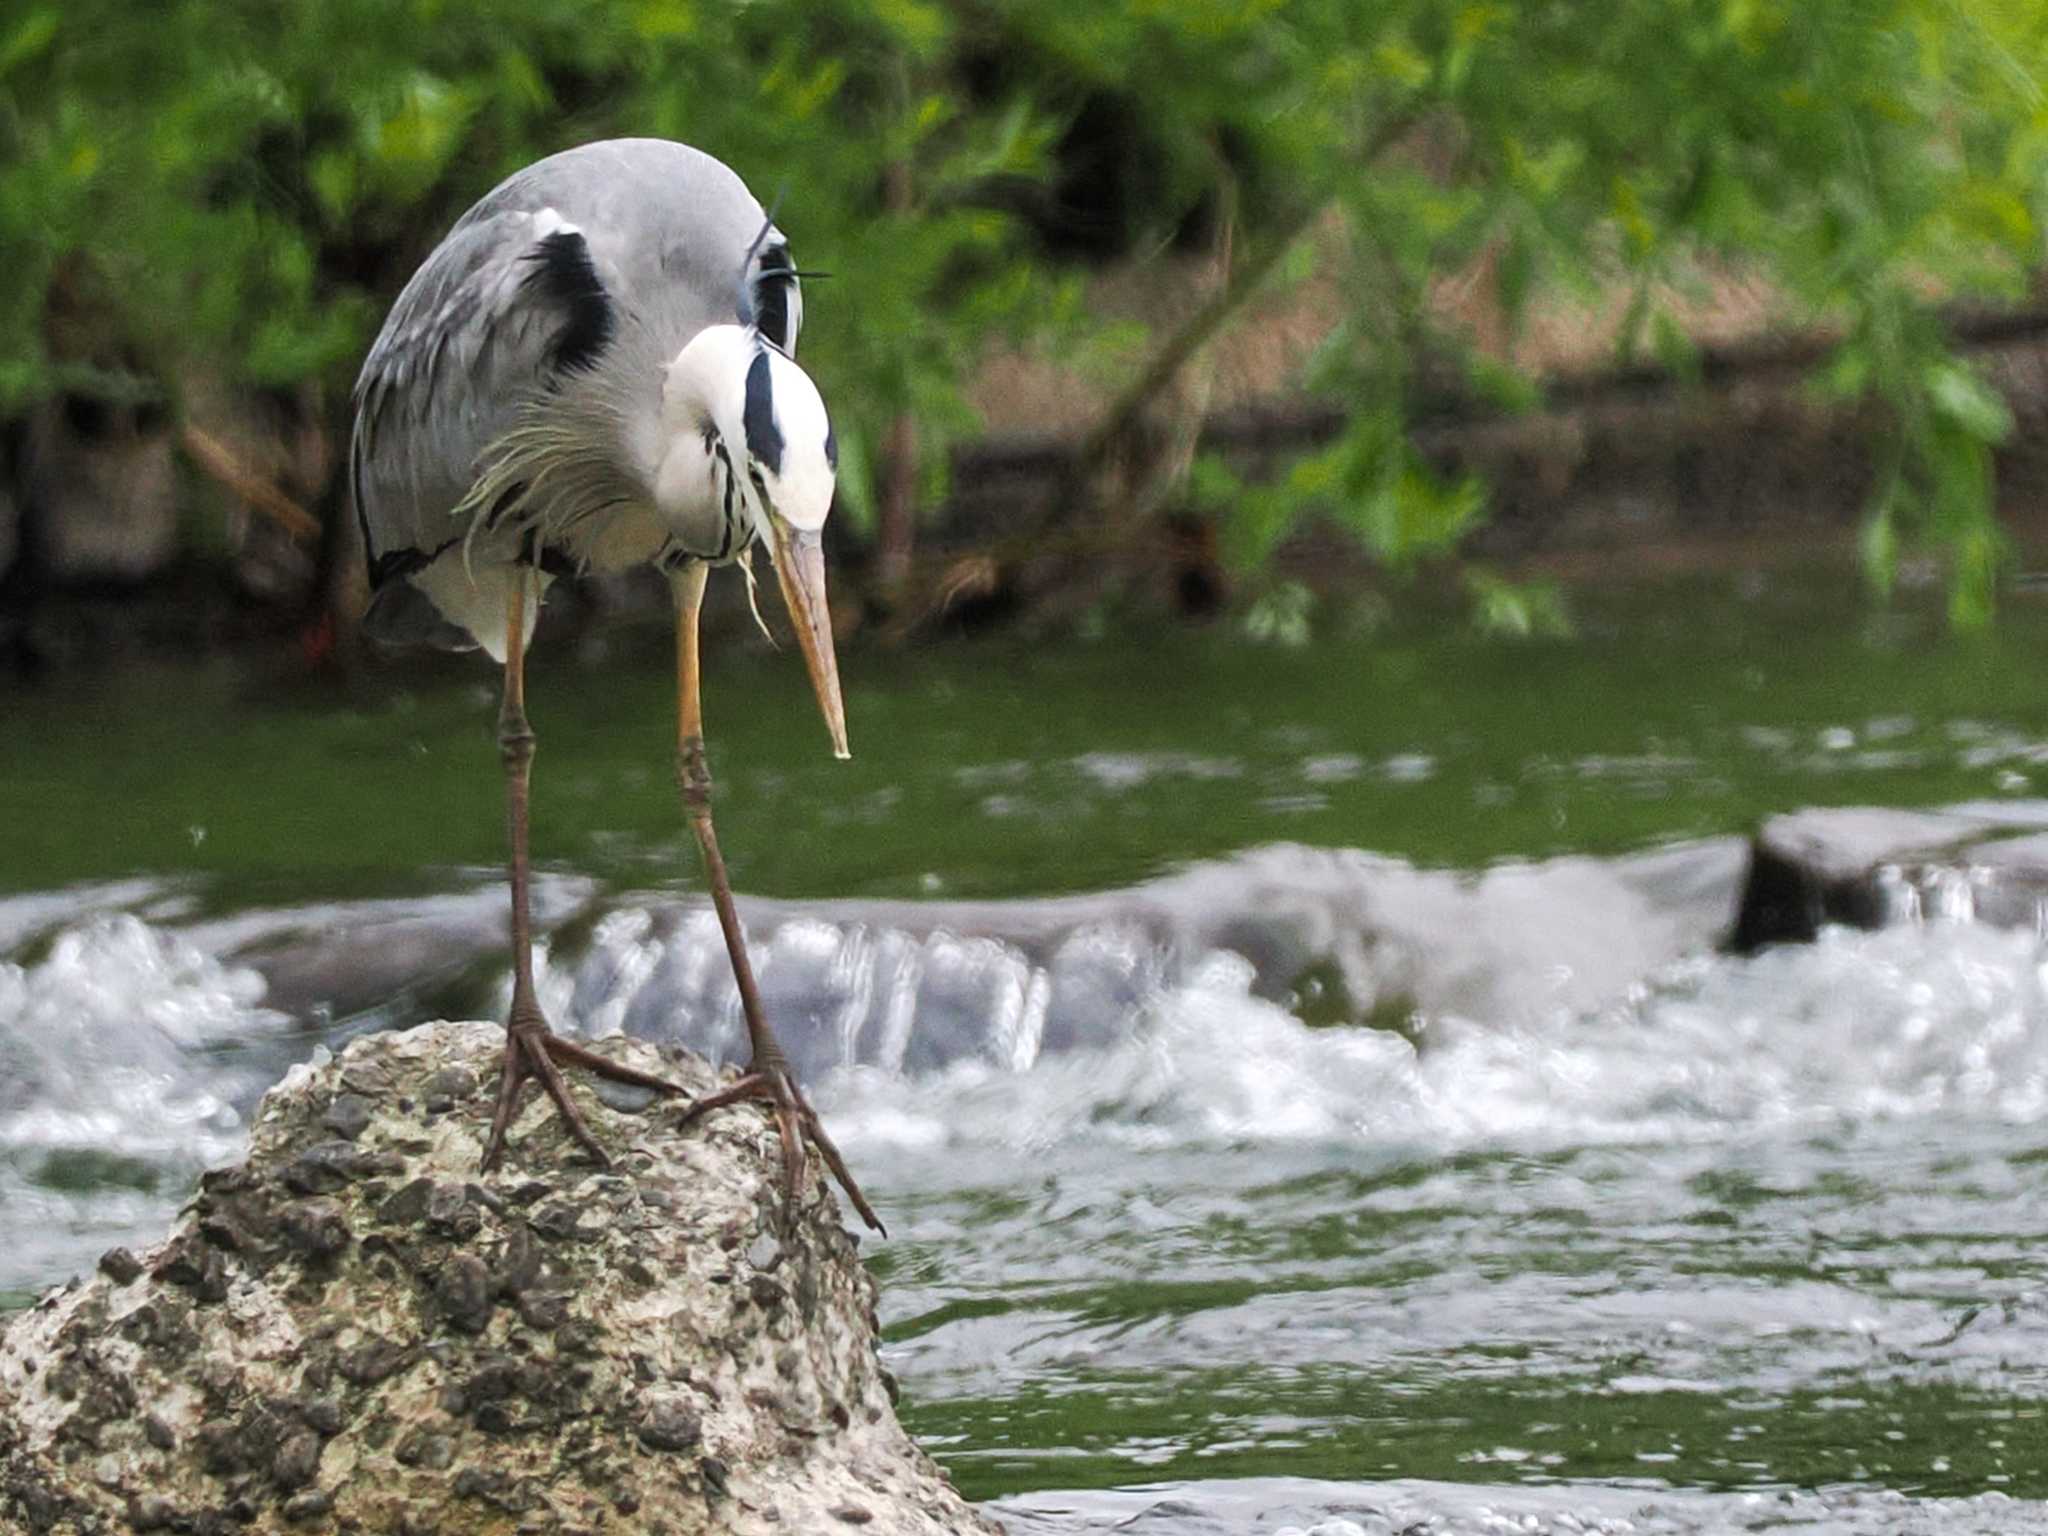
[531, 1049]
[768, 1075]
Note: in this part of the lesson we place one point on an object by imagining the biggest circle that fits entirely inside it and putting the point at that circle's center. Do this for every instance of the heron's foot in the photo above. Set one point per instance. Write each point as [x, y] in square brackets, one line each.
[796, 1122]
[532, 1050]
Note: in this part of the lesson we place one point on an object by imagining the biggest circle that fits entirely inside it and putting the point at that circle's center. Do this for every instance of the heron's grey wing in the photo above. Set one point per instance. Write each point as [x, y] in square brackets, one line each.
[509, 300]
[674, 226]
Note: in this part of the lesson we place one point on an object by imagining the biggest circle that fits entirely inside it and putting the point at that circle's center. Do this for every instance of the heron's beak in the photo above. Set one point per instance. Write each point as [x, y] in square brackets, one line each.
[800, 566]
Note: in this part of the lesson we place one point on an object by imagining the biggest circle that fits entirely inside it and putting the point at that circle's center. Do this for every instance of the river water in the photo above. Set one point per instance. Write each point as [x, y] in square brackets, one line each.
[1238, 1180]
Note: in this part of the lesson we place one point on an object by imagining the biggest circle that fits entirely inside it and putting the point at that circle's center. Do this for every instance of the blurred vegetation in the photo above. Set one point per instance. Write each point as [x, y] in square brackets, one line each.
[243, 186]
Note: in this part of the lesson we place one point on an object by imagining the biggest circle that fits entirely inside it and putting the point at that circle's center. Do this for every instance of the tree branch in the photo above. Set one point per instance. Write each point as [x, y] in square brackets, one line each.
[219, 461]
[1214, 315]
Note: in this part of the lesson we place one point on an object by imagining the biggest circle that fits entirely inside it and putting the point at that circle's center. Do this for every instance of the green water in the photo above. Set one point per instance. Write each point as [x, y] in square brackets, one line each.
[1005, 769]
[1764, 1224]
[1599, 1315]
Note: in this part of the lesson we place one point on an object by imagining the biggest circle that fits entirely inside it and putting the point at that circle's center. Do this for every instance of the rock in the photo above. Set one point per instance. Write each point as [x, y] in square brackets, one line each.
[363, 1333]
[348, 1116]
[344, 957]
[102, 481]
[464, 1290]
[1867, 868]
[671, 1425]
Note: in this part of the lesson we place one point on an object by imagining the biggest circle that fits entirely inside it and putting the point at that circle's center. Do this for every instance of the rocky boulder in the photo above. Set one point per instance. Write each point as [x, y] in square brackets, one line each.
[353, 1331]
[1868, 868]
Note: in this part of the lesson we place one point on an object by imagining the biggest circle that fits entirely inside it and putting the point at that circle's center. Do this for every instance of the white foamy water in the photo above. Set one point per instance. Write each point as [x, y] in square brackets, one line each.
[1775, 1190]
[858, 994]
[124, 1054]
[938, 1041]
[127, 1044]
[1298, 1507]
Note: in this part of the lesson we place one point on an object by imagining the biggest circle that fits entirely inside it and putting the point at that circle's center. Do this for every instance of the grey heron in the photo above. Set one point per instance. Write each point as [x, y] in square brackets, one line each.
[596, 368]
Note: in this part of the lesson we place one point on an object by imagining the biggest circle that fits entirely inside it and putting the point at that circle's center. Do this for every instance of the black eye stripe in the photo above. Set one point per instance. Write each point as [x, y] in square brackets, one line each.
[764, 437]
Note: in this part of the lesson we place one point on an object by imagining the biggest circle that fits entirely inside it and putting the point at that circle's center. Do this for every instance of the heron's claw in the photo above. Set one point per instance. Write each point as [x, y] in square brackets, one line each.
[795, 1122]
[532, 1051]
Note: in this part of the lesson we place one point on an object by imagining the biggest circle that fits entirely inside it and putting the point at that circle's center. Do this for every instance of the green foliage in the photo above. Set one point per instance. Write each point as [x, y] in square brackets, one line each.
[1875, 160]
[1517, 609]
[1281, 616]
[245, 185]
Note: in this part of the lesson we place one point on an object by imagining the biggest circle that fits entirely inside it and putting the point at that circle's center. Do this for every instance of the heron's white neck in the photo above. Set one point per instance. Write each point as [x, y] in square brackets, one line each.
[703, 393]
[706, 385]
[728, 390]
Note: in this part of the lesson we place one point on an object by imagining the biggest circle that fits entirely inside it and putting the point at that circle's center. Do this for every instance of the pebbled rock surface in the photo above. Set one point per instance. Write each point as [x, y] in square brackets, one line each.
[354, 1331]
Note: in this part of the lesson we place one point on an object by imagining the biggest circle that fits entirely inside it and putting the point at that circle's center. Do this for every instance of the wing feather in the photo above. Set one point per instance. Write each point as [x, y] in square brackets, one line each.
[509, 302]
[618, 252]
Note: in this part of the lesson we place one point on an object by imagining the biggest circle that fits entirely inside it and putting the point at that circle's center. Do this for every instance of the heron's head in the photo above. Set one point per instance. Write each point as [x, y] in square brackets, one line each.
[729, 391]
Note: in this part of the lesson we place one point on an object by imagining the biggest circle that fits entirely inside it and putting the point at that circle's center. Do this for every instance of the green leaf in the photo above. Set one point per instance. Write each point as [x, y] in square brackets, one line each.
[1878, 544]
[1673, 347]
[1504, 387]
[1398, 61]
[1514, 274]
[1978, 559]
[1965, 399]
[30, 39]
[1846, 374]
[1517, 610]
[1281, 616]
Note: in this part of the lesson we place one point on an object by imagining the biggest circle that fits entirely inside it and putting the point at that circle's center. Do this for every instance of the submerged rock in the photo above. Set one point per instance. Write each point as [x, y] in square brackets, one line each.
[1869, 868]
[354, 1331]
[1334, 935]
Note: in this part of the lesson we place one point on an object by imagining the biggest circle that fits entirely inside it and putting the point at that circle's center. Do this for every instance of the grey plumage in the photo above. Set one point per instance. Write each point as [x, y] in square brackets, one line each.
[597, 365]
[551, 310]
